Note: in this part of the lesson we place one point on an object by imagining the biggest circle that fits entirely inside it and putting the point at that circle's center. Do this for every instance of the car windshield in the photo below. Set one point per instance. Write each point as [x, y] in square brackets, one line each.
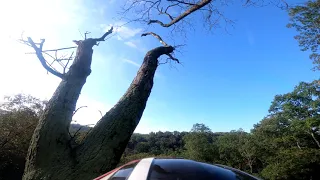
[173, 169]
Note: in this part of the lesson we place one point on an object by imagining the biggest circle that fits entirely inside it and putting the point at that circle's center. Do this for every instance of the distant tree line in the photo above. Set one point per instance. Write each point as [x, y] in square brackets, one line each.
[283, 145]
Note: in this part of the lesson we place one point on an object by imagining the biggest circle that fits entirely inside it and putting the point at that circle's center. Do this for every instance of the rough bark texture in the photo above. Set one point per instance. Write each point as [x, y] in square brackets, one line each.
[103, 147]
[49, 155]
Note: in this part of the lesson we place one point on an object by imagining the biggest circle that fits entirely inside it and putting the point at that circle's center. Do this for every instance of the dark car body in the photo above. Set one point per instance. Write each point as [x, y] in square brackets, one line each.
[174, 169]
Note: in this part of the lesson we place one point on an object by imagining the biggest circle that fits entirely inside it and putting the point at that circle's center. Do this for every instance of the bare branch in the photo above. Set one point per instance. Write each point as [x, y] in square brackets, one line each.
[51, 50]
[100, 113]
[48, 66]
[56, 58]
[164, 44]
[76, 133]
[166, 11]
[193, 8]
[102, 38]
[160, 63]
[64, 68]
[38, 51]
[182, 2]
[80, 33]
[85, 34]
[156, 36]
[173, 58]
[78, 109]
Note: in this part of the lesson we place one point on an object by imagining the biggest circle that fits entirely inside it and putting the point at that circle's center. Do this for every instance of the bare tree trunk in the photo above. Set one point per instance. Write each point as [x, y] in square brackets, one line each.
[50, 155]
[103, 147]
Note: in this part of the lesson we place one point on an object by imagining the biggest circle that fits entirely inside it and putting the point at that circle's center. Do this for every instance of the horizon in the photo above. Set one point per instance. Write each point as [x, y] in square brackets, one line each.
[226, 82]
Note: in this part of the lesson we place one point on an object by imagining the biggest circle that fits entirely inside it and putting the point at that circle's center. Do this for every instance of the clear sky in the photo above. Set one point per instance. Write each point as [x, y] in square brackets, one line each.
[227, 81]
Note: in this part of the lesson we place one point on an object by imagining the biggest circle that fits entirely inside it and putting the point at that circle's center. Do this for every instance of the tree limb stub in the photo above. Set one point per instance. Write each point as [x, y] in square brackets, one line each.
[102, 38]
[193, 8]
[42, 60]
[94, 41]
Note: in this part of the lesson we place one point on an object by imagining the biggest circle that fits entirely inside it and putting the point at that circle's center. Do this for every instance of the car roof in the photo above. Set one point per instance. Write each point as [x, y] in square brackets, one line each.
[184, 168]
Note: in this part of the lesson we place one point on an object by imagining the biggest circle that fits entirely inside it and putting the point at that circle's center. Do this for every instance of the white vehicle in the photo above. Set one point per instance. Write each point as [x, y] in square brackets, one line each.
[174, 169]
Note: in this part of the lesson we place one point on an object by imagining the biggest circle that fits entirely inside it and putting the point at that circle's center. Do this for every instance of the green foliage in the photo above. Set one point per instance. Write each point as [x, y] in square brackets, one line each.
[199, 146]
[18, 118]
[200, 128]
[283, 145]
[156, 143]
[306, 20]
[235, 149]
[19, 115]
[288, 138]
[294, 163]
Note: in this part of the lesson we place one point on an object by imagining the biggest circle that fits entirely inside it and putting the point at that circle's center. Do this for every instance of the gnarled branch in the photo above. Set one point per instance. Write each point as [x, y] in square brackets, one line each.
[156, 36]
[38, 51]
[48, 66]
[193, 8]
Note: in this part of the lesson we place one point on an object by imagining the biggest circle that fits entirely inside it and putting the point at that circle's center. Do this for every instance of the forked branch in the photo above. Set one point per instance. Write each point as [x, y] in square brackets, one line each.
[193, 8]
[49, 66]
[38, 51]
[173, 58]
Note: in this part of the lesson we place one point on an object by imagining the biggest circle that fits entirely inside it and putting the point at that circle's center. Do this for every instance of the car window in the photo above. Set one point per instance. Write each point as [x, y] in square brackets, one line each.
[124, 172]
[175, 170]
[190, 170]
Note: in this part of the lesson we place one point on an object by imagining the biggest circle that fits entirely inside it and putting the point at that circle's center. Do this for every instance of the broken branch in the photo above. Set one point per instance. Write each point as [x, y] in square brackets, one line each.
[42, 59]
[85, 34]
[162, 42]
[102, 38]
[156, 36]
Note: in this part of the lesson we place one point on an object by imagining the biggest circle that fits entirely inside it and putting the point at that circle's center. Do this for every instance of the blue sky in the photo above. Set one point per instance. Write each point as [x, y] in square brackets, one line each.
[227, 81]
